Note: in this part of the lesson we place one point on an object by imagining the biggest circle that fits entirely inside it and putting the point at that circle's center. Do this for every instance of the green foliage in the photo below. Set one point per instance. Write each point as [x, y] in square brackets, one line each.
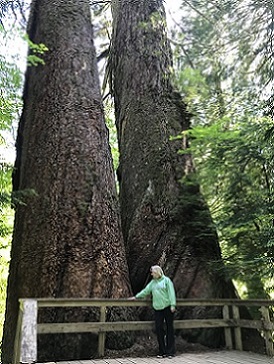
[10, 107]
[4, 264]
[5, 190]
[37, 50]
[10, 102]
[231, 139]
[113, 140]
[235, 169]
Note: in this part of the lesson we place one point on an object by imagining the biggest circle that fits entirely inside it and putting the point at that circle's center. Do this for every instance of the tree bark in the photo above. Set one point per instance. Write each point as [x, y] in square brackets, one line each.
[165, 219]
[67, 238]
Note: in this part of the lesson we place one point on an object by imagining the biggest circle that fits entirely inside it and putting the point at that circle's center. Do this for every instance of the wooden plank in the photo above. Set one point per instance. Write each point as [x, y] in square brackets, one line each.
[135, 361]
[267, 331]
[100, 327]
[92, 361]
[125, 361]
[130, 361]
[227, 357]
[193, 358]
[126, 326]
[251, 324]
[233, 357]
[191, 324]
[225, 360]
[237, 330]
[29, 332]
[248, 357]
[228, 336]
[219, 357]
[79, 302]
[102, 335]
[94, 327]
[94, 302]
[151, 360]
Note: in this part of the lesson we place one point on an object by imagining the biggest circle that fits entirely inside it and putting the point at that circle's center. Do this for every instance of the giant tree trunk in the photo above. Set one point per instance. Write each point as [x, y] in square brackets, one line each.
[164, 217]
[67, 238]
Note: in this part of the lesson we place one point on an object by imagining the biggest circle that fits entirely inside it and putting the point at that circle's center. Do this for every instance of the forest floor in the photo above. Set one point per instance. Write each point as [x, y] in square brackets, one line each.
[146, 345]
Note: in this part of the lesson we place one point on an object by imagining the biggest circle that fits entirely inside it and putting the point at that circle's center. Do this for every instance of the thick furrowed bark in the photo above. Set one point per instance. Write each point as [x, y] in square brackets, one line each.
[67, 238]
[164, 217]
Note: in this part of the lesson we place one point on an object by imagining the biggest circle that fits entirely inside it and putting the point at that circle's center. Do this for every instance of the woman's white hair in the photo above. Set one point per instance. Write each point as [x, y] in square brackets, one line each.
[157, 269]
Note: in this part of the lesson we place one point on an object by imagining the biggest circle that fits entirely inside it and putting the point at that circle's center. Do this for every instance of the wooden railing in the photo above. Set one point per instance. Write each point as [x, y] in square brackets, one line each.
[25, 350]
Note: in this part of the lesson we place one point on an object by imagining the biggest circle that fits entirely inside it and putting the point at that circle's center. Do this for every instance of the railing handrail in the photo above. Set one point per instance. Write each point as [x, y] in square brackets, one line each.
[124, 302]
[28, 328]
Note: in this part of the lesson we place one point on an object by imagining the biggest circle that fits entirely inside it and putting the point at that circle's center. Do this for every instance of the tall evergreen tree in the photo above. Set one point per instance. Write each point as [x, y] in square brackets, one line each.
[67, 239]
[164, 216]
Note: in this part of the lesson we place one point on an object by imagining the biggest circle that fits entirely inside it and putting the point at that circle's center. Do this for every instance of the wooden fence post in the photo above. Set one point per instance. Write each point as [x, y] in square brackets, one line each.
[28, 339]
[267, 325]
[237, 330]
[228, 337]
[102, 335]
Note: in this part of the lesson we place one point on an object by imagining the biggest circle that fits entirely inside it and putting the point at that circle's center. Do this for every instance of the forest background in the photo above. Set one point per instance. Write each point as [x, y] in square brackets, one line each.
[223, 67]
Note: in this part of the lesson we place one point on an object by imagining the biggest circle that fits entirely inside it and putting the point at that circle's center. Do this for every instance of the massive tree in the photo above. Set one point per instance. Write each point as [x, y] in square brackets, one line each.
[67, 239]
[164, 216]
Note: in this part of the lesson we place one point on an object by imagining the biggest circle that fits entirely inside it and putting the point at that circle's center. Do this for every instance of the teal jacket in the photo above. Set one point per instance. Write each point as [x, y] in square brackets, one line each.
[163, 293]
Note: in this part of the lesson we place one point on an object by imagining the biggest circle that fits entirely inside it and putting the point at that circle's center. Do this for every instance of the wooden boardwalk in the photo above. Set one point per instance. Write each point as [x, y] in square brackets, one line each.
[219, 357]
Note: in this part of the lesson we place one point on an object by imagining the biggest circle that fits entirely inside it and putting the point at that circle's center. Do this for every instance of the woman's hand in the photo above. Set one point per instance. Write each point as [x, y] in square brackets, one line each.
[132, 298]
[172, 309]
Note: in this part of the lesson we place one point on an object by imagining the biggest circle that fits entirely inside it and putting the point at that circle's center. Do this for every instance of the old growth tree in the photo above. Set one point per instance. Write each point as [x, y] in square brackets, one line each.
[164, 216]
[67, 239]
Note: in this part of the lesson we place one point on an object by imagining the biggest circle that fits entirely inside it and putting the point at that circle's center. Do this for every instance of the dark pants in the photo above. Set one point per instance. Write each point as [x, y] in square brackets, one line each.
[166, 347]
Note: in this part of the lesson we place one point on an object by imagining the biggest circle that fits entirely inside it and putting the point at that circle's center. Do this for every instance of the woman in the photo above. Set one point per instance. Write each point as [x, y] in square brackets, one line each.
[163, 302]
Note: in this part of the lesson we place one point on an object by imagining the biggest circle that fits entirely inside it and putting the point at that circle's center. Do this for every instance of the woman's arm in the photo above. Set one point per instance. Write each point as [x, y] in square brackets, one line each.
[145, 292]
[171, 295]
